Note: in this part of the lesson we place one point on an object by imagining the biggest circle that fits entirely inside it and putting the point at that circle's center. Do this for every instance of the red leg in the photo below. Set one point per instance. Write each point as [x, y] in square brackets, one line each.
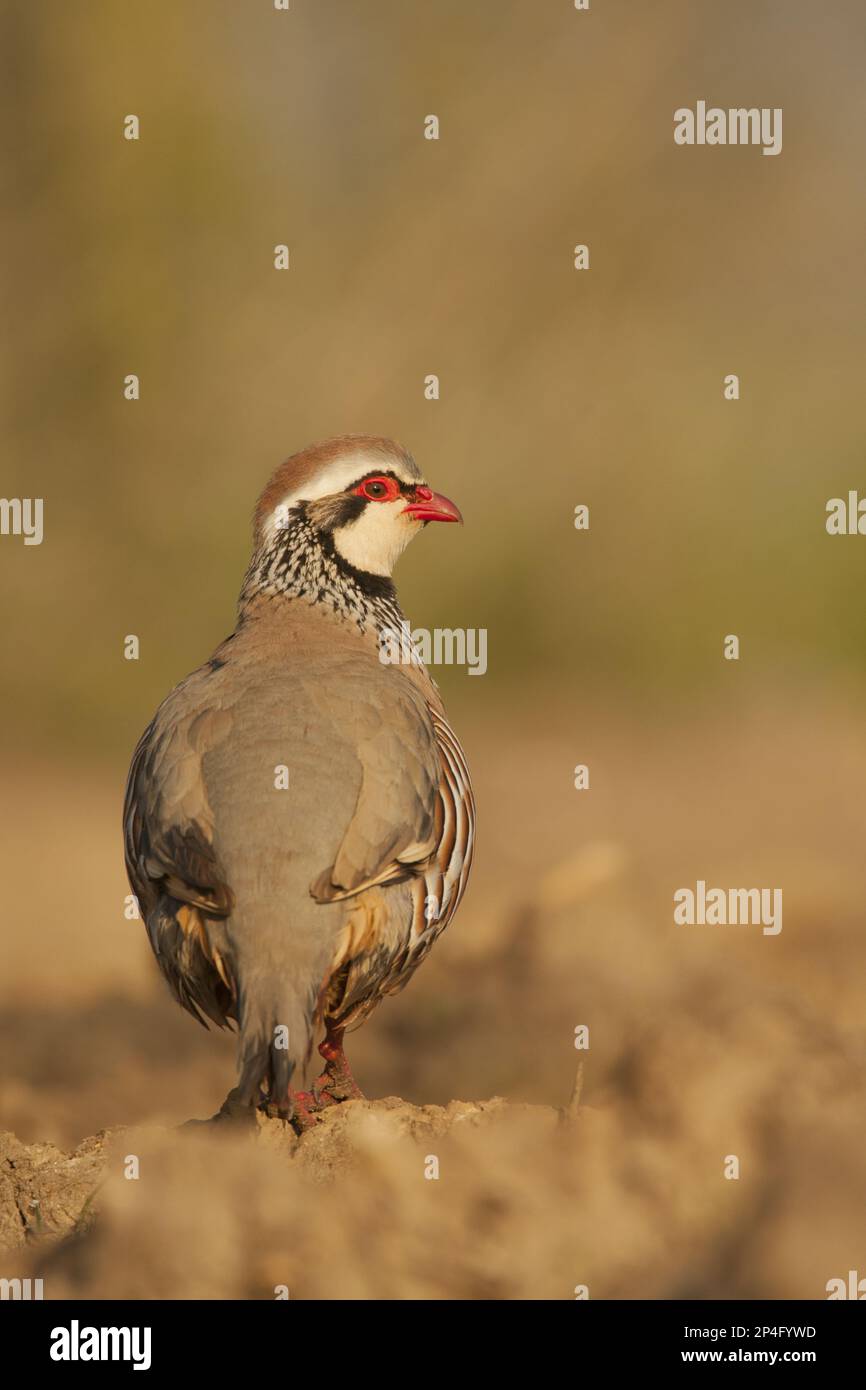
[336, 1082]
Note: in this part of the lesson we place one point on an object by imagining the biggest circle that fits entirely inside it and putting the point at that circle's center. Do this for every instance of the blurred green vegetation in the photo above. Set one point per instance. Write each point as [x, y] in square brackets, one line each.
[411, 257]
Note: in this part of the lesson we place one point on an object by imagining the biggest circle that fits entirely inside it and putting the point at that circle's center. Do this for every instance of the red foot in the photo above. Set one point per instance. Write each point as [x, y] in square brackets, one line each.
[336, 1083]
[304, 1110]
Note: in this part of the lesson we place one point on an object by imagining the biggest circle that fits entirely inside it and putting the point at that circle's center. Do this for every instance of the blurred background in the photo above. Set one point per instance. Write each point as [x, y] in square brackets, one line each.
[558, 387]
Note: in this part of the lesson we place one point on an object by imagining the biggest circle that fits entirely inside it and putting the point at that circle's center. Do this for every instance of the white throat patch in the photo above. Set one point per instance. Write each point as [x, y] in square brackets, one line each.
[375, 542]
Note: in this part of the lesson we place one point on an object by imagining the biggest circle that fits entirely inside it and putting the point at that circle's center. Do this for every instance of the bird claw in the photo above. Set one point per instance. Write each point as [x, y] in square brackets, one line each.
[303, 1109]
[335, 1086]
[336, 1082]
[297, 1108]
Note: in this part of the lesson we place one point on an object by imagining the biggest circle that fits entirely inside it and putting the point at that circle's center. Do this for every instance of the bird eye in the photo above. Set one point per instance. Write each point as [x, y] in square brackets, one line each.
[379, 489]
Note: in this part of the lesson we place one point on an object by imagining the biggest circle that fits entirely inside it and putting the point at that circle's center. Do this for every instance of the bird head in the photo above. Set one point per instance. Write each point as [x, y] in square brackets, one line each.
[362, 497]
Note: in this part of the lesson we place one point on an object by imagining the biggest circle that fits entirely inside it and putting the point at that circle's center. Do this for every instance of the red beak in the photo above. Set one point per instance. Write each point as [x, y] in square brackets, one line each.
[432, 506]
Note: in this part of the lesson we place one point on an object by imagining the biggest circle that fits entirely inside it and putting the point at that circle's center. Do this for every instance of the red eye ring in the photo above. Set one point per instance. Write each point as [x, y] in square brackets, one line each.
[378, 489]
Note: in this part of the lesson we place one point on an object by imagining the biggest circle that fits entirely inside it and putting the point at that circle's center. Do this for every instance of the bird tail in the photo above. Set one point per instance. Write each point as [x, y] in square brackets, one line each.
[275, 1038]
